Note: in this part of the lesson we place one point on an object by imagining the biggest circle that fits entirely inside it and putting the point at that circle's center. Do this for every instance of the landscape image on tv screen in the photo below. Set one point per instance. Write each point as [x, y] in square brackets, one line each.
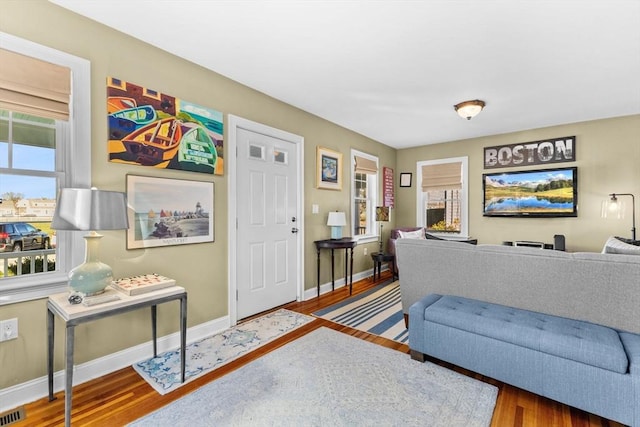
[548, 192]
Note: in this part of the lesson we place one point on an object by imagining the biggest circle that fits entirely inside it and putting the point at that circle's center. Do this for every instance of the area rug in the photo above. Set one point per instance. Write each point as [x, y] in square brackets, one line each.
[377, 311]
[327, 378]
[163, 371]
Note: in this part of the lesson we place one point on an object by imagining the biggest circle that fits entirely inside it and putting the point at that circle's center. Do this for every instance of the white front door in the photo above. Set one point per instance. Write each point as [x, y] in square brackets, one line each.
[268, 227]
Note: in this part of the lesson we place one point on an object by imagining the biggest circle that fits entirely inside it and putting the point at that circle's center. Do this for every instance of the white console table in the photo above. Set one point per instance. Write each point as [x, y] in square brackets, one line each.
[75, 314]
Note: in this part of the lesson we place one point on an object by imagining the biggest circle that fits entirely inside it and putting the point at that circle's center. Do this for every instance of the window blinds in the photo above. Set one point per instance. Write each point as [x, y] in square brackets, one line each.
[444, 176]
[364, 165]
[32, 86]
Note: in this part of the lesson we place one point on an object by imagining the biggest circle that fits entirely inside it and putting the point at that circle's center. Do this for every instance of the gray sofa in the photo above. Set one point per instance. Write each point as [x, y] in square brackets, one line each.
[562, 325]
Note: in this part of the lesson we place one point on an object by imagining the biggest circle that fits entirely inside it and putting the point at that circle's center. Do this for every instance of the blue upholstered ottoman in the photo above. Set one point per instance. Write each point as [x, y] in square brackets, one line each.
[589, 366]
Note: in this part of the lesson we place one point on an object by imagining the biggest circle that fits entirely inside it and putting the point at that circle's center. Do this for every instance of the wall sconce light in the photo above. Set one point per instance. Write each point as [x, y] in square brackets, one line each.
[614, 208]
[469, 109]
[89, 210]
[336, 221]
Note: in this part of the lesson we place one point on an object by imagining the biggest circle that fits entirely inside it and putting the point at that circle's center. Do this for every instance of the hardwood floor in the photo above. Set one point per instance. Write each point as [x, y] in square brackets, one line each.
[123, 396]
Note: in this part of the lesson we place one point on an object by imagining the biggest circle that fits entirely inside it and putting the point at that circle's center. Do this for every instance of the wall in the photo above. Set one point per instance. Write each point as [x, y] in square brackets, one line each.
[201, 268]
[608, 154]
[608, 161]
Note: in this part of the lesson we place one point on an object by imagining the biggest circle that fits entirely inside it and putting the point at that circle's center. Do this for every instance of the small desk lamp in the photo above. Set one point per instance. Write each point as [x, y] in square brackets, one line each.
[89, 210]
[336, 221]
[382, 215]
[614, 208]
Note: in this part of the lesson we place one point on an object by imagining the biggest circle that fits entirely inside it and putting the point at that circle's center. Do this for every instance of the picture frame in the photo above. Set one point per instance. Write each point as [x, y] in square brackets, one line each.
[151, 128]
[405, 179]
[167, 212]
[328, 169]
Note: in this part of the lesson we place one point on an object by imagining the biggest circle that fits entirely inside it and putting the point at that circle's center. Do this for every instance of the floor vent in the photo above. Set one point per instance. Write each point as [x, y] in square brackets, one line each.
[11, 417]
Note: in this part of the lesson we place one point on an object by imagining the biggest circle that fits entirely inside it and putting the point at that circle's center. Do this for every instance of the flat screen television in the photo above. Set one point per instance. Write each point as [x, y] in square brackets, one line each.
[531, 193]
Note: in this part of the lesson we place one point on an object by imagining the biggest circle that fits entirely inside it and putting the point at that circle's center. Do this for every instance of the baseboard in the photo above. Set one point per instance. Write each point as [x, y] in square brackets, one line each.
[326, 287]
[30, 391]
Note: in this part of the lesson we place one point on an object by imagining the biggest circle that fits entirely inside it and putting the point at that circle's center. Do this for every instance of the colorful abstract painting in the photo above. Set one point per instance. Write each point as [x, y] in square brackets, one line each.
[151, 128]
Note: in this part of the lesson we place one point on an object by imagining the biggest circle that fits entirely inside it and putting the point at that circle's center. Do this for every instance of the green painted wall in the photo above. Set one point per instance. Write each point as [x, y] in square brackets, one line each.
[608, 161]
[608, 154]
[201, 268]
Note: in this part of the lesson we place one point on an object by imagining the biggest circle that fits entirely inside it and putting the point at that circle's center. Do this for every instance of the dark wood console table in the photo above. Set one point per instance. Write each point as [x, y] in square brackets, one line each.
[347, 244]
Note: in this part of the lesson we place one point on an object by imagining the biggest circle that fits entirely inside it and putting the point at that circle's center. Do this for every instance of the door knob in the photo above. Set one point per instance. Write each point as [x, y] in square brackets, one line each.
[294, 230]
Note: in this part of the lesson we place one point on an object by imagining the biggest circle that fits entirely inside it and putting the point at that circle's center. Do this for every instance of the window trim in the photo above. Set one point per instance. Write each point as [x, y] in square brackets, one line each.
[77, 153]
[464, 215]
[374, 235]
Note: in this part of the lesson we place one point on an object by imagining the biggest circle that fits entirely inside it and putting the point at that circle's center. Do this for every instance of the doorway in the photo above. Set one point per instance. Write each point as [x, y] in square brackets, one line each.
[266, 227]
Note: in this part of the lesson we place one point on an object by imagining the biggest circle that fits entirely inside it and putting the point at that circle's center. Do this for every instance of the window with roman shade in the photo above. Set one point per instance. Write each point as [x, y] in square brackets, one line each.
[45, 145]
[443, 196]
[32, 86]
[443, 176]
[365, 194]
[366, 166]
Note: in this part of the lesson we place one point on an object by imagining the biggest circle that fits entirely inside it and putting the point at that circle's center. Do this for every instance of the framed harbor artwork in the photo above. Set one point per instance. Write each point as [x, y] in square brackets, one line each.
[166, 212]
[151, 128]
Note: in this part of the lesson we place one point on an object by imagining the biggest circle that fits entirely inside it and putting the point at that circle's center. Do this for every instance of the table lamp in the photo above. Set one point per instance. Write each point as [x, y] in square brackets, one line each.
[84, 209]
[614, 208]
[336, 221]
[382, 215]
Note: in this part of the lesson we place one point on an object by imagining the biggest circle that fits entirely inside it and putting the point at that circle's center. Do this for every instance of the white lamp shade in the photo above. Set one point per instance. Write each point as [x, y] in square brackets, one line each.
[90, 209]
[337, 219]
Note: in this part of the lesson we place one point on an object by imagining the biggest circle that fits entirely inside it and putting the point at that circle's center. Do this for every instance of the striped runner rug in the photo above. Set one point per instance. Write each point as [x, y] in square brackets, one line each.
[377, 311]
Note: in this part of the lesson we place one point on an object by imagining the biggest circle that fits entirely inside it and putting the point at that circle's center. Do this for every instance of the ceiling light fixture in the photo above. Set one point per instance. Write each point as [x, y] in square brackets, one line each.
[469, 109]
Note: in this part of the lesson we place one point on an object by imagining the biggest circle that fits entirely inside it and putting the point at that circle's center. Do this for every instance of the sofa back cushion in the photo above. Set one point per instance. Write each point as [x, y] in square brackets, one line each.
[594, 287]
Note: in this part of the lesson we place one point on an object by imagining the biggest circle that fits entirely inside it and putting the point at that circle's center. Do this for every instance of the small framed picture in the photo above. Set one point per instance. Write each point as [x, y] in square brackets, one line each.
[405, 179]
[328, 169]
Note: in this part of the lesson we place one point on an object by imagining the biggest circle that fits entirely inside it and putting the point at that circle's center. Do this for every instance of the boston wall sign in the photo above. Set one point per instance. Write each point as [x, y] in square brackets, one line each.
[555, 150]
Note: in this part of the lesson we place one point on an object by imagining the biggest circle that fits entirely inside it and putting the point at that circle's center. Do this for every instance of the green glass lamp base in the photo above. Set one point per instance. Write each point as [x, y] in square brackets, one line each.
[93, 276]
[90, 278]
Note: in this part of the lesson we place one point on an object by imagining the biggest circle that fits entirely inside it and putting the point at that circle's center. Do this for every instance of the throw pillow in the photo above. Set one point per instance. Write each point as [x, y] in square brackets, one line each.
[418, 234]
[615, 246]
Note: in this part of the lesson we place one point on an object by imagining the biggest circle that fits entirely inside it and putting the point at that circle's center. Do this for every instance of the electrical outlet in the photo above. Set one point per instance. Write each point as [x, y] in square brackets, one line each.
[365, 251]
[8, 329]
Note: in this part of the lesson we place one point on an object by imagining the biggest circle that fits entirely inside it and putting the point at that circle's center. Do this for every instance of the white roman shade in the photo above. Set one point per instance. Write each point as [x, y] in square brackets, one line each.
[32, 86]
[364, 165]
[443, 176]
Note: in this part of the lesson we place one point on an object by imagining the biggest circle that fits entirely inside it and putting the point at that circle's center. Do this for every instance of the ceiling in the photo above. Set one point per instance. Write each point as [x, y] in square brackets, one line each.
[392, 70]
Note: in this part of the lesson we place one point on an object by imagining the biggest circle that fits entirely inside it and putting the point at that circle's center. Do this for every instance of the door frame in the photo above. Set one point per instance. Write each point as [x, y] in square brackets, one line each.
[230, 166]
